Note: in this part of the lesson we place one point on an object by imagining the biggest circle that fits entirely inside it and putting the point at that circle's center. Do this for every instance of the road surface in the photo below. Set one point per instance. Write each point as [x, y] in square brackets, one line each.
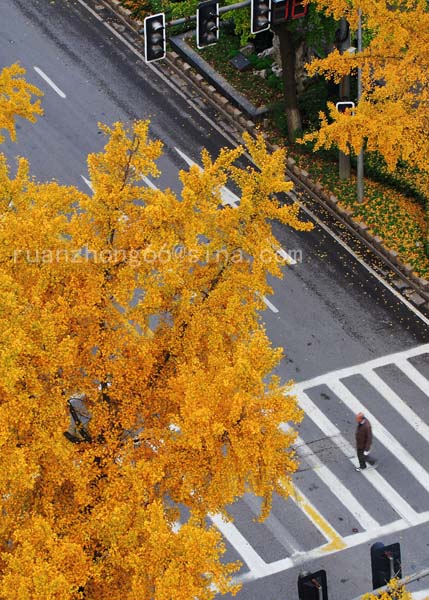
[351, 344]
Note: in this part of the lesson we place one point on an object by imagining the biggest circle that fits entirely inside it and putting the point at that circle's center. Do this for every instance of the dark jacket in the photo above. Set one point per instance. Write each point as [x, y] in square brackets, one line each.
[363, 435]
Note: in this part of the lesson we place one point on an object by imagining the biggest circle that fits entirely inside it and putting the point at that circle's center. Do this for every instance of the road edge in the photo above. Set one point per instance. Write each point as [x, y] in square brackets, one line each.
[407, 279]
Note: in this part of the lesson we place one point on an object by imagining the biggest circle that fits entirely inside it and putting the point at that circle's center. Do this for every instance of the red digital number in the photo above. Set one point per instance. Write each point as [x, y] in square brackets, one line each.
[298, 9]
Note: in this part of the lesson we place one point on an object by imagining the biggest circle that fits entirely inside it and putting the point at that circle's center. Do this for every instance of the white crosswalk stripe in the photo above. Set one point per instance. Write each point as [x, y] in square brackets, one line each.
[275, 526]
[149, 183]
[384, 436]
[255, 563]
[88, 183]
[415, 376]
[386, 490]
[312, 510]
[356, 505]
[398, 404]
[338, 488]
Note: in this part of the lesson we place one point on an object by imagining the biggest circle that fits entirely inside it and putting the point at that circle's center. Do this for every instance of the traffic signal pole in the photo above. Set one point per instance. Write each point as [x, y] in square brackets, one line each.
[342, 41]
[222, 9]
[359, 174]
[389, 556]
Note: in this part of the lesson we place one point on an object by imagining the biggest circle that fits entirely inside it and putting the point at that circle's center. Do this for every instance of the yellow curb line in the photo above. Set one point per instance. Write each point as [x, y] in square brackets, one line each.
[335, 542]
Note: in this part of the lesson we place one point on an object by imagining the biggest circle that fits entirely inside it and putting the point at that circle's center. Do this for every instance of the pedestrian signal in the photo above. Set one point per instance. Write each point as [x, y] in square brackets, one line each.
[385, 563]
[313, 586]
[343, 106]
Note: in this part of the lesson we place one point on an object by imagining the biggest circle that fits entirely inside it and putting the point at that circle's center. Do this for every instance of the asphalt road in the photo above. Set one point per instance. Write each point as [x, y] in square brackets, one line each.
[349, 341]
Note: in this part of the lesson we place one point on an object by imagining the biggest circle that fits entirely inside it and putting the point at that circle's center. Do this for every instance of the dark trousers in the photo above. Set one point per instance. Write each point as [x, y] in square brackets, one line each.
[364, 459]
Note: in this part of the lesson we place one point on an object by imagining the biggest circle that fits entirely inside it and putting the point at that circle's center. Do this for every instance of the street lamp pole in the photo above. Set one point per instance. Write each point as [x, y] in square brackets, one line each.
[360, 186]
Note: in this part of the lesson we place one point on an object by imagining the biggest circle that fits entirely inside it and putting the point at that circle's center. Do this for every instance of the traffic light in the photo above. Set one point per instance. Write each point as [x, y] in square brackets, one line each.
[313, 586]
[79, 419]
[260, 15]
[344, 105]
[207, 23]
[385, 563]
[155, 40]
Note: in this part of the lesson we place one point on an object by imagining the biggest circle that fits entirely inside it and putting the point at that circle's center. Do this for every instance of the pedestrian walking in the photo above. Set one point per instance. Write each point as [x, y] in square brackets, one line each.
[363, 442]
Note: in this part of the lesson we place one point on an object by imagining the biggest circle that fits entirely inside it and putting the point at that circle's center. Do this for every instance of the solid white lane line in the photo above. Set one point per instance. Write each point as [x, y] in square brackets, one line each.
[149, 183]
[374, 273]
[256, 564]
[227, 196]
[398, 404]
[88, 183]
[50, 82]
[396, 358]
[336, 487]
[414, 374]
[382, 435]
[399, 505]
[270, 305]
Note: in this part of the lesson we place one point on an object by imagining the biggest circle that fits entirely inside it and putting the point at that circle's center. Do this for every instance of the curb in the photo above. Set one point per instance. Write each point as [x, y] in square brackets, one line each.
[222, 103]
[178, 42]
[239, 114]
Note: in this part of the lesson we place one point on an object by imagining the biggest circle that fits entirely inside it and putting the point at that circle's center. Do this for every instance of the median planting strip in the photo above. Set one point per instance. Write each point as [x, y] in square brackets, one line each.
[240, 112]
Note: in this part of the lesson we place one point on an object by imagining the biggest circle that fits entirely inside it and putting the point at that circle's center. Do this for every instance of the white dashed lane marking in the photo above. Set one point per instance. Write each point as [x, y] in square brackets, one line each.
[49, 82]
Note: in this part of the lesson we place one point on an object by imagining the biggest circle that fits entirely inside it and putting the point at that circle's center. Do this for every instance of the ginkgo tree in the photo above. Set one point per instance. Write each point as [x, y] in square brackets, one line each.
[18, 98]
[392, 115]
[136, 395]
[396, 590]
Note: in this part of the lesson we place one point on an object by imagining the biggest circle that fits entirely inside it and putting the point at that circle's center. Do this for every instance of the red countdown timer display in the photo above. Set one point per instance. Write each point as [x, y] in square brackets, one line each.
[286, 10]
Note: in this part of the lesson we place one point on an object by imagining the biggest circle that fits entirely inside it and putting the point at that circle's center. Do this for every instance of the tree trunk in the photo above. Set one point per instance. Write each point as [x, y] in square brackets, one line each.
[287, 53]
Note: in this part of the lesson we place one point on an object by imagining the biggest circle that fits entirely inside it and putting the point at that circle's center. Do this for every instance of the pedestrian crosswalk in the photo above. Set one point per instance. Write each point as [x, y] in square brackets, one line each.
[331, 506]
[372, 503]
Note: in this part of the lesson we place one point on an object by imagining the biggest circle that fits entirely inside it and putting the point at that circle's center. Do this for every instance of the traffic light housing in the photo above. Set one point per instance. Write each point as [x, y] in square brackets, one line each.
[385, 563]
[155, 40]
[313, 586]
[343, 105]
[79, 419]
[260, 15]
[207, 23]
[287, 10]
